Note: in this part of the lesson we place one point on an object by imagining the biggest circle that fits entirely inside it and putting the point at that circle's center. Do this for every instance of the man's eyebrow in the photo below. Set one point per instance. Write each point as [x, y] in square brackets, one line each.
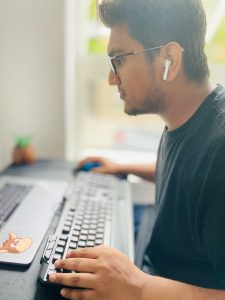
[114, 52]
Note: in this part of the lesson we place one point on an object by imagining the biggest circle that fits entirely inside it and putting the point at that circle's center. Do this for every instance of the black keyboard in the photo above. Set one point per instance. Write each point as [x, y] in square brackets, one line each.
[87, 219]
[11, 195]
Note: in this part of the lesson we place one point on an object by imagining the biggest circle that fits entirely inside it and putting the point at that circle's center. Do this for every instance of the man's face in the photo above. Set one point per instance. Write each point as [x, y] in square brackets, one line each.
[137, 79]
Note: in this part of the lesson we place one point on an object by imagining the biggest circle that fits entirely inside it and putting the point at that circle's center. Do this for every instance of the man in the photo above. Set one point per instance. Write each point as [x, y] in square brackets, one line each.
[159, 66]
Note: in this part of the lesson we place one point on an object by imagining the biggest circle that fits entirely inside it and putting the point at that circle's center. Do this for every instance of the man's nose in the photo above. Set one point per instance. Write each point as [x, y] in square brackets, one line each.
[113, 78]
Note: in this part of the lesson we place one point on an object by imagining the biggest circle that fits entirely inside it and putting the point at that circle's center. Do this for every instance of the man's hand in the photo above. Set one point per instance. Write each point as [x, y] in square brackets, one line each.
[145, 171]
[106, 165]
[106, 274]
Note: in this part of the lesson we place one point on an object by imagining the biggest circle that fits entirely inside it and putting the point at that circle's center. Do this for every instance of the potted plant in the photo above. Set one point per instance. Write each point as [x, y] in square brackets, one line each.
[23, 152]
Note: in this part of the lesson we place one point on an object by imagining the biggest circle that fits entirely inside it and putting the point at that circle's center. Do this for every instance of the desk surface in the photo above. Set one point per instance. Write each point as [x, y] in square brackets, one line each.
[18, 283]
[21, 283]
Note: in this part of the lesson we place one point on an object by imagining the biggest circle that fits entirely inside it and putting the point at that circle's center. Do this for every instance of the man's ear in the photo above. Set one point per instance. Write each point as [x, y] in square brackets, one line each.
[172, 64]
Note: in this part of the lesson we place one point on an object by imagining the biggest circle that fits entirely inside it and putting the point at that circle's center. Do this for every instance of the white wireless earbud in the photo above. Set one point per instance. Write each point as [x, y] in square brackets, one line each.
[166, 68]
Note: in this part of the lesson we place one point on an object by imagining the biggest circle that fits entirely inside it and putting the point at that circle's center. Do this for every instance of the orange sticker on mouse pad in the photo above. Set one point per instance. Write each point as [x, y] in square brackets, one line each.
[15, 244]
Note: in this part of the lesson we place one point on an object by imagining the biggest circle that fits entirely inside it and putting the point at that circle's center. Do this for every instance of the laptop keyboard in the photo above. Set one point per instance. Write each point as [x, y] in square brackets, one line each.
[11, 195]
[86, 220]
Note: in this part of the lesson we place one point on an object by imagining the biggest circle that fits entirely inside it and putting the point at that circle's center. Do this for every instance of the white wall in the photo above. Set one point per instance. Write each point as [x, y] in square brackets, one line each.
[31, 75]
[217, 73]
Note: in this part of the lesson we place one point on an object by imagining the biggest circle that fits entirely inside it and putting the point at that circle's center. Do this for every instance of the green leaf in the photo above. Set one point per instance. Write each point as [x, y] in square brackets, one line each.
[22, 141]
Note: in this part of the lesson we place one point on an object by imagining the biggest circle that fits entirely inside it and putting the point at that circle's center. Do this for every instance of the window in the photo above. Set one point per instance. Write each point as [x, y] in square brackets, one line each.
[104, 124]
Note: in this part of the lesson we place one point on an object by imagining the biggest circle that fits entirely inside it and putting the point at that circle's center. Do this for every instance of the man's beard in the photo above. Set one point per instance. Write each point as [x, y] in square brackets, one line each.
[154, 104]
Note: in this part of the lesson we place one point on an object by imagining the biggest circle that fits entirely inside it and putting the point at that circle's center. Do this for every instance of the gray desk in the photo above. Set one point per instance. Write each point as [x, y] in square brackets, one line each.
[18, 283]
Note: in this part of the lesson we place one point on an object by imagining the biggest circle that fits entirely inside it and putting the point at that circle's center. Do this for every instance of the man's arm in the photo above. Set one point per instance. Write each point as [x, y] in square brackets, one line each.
[146, 172]
[107, 166]
[106, 273]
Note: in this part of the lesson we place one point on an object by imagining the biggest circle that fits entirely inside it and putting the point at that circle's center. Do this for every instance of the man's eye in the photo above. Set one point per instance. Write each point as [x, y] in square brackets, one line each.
[118, 61]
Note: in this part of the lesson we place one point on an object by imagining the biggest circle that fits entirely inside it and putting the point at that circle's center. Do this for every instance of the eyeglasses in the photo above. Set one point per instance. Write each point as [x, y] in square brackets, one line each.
[116, 60]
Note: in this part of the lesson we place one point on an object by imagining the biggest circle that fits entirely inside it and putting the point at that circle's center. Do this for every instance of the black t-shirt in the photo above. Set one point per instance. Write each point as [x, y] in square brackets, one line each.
[188, 238]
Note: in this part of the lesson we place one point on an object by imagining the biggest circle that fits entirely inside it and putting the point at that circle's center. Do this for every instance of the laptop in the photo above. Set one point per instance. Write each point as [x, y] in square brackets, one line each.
[27, 207]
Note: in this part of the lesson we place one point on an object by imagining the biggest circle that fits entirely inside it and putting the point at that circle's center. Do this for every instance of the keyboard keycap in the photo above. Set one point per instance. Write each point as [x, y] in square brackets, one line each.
[98, 242]
[66, 230]
[83, 237]
[51, 245]
[76, 233]
[61, 243]
[74, 238]
[73, 245]
[91, 237]
[81, 244]
[84, 231]
[56, 256]
[47, 254]
[90, 244]
[99, 236]
[59, 250]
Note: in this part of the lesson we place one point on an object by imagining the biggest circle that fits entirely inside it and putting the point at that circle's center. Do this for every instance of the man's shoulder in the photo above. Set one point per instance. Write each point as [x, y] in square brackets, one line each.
[216, 113]
[218, 98]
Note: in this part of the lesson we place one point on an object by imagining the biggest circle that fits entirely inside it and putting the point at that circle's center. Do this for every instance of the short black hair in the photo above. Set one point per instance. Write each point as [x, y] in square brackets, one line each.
[156, 22]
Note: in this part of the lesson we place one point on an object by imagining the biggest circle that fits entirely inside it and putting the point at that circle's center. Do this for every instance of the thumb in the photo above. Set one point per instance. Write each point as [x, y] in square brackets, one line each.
[101, 170]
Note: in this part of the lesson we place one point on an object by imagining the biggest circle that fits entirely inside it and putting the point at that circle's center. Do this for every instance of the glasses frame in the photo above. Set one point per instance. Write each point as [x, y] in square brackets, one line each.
[115, 57]
[98, 11]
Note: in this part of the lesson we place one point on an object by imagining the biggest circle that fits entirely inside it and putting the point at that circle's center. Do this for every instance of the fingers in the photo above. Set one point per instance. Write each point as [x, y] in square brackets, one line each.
[85, 252]
[100, 170]
[81, 280]
[106, 166]
[77, 264]
[74, 294]
[90, 159]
